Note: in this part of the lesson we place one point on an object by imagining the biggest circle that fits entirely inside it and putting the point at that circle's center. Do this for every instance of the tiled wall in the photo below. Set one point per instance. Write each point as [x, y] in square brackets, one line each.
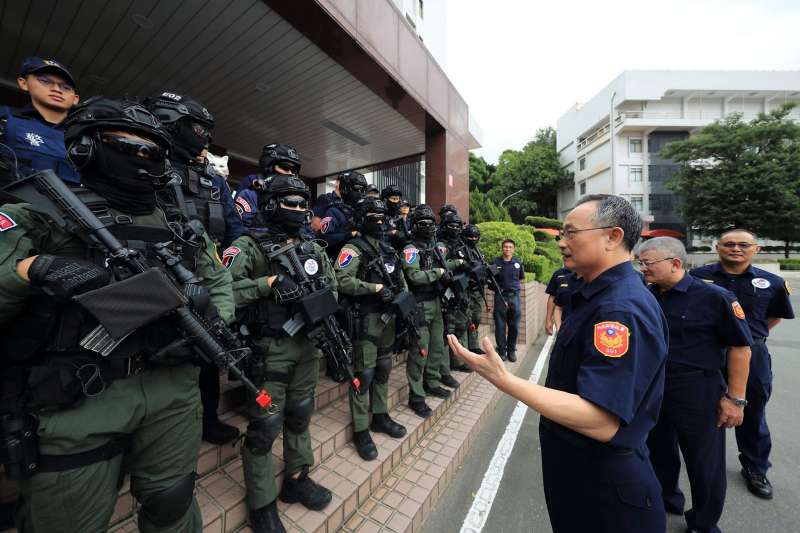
[534, 305]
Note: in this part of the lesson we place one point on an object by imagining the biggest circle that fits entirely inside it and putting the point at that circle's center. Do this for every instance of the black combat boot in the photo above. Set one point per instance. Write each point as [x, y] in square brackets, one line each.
[217, 432]
[439, 392]
[364, 446]
[512, 356]
[449, 381]
[304, 490]
[461, 368]
[383, 423]
[266, 519]
[418, 405]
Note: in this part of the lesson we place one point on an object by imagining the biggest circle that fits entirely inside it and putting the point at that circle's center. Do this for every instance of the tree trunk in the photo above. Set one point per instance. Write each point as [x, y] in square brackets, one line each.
[786, 249]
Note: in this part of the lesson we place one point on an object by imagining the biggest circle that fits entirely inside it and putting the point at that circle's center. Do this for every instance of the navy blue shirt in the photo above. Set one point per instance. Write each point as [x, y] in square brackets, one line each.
[560, 286]
[703, 321]
[510, 273]
[762, 294]
[611, 351]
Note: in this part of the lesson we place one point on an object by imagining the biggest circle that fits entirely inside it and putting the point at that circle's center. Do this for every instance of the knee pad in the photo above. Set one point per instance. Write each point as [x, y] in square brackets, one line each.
[298, 414]
[169, 505]
[366, 376]
[262, 432]
[382, 368]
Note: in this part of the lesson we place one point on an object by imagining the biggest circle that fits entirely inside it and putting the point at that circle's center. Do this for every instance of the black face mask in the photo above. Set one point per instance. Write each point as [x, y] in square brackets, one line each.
[188, 144]
[289, 220]
[127, 182]
[352, 197]
[372, 226]
[452, 233]
[424, 231]
[472, 242]
[392, 207]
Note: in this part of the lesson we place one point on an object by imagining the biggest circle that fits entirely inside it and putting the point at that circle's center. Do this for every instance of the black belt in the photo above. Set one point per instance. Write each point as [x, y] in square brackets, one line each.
[59, 463]
[581, 441]
[425, 296]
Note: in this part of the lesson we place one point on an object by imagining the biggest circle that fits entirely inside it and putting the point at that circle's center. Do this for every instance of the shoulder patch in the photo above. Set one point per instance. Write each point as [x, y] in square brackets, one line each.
[737, 310]
[787, 287]
[443, 249]
[243, 206]
[760, 283]
[346, 257]
[611, 339]
[229, 255]
[6, 222]
[410, 255]
[708, 281]
[325, 224]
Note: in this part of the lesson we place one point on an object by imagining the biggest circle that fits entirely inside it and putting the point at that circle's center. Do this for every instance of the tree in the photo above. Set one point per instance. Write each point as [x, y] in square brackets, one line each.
[739, 174]
[480, 173]
[483, 209]
[536, 170]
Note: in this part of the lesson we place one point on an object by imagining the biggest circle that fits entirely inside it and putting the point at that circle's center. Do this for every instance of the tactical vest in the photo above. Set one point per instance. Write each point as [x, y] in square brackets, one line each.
[427, 261]
[266, 316]
[38, 146]
[202, 201]
[371, 272]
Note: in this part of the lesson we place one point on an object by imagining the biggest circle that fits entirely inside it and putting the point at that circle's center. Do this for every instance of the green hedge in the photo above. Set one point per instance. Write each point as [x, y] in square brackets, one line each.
[789, 264]
[550, 250]
[691, 249]
[543, 222]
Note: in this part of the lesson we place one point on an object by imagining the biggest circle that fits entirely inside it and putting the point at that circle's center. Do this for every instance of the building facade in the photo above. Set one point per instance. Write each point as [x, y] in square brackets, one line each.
[649, 110]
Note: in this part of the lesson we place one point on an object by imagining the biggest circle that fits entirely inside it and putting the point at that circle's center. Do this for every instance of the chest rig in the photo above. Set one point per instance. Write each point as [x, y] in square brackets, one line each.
[370, 270]
[194, 196]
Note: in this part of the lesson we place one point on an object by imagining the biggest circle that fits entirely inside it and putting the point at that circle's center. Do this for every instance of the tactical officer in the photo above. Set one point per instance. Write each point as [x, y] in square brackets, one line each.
[425, 280]
[369, 272]
[373, 191]
[472, 236]
[604, 383]
[286, 366]
[195, 194]
[36, 132]
[396, 228]
[337, 225]
[765, 299]
[707, 332]
[558, 291]
[136, 405]
[275, 158]
[455, 310]
[507, 311]
[445, 210]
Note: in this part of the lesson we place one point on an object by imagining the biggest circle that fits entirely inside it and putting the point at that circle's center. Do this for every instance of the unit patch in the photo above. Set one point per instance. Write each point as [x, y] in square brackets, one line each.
[311, 266]
[6, 222]
[787, 287]
[325, 224]
[346, 257]
[389, 267]
[737, 310]
[229, 255]
[611, 338]
[243, 206]
[760, 283]
[410, 255]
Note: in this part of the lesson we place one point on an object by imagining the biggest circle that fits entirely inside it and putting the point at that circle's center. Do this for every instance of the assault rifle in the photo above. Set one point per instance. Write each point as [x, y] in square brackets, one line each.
[315, 312]
[490, 275]
[173, 290]
[457, 287]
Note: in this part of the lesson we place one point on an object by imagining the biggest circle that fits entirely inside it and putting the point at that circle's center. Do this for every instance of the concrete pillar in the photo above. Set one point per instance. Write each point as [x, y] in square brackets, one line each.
[645, 175]
[446, 170]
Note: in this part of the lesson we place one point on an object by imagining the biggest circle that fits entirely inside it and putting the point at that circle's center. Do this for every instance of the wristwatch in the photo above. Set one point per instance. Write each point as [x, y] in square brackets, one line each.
[738, 402]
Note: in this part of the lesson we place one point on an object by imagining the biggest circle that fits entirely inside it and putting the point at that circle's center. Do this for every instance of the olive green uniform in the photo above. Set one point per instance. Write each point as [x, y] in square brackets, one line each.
[374, 337]
[422, 273]
[287, 367]
[455, 310]
[158, 409]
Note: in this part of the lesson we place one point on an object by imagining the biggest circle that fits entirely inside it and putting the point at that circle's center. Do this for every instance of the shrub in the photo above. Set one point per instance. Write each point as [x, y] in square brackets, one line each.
[543, 222]
[543, 236]
[549, 250]
[691, 249]
[543, 268]
[789, 264]
[493, 234]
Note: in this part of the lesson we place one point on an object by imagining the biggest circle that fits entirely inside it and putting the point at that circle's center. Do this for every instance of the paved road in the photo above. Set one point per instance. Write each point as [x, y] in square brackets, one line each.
[519, 505]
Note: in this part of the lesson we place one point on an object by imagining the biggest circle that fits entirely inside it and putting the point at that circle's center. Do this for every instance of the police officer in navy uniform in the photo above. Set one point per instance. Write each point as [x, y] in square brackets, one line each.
[558, 292]
[604, 383]
[507, 315]
[397, 232]
[36, 132]
[765, 299]
[195, 194]
[707, 332]
[337, 227]
[276, 158]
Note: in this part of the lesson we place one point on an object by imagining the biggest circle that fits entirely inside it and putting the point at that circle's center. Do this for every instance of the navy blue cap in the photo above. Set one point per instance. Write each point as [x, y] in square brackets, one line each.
[35, 64]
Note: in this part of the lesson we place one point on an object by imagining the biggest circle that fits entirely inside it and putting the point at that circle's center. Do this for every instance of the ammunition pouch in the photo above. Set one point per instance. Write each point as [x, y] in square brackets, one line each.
[317, 306]
[19, 445]
[404, 305]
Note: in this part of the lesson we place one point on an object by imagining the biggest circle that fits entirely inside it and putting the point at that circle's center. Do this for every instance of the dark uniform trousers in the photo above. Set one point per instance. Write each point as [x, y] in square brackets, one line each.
[594, 488]
[507, 317]
[688, 418]
[752, 436]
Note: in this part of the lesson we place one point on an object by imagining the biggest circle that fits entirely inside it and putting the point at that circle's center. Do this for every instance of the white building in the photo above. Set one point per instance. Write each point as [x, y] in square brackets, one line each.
[650, 109]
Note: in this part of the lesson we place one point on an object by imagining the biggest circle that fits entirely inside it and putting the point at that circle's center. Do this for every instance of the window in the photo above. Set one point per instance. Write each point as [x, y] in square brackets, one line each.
[635, 146]
[582, 163]
[583, 188]
[637, 202]
[635, 174]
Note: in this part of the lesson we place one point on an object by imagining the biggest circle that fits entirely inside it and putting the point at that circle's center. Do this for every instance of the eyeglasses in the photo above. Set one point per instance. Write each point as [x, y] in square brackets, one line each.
[49, 82]
[201, 131]
[294, 201]
[569, 234]
[731, 245]
[648, 264]
[287, 167]
[134, 147]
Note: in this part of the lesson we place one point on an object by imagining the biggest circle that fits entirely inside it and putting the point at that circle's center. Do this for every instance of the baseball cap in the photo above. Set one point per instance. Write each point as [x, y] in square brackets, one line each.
[35, 64]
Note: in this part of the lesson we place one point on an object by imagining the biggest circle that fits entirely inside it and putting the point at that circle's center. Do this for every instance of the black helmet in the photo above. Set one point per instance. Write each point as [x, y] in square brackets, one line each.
[275, 186]
[373, 191]
[447, 208]
[452, 225]
[352, 186]
[471, 233]
[171, 107]
[391, 190]
[423, 223]
[275, 153]
[367, 206]
[100, 113]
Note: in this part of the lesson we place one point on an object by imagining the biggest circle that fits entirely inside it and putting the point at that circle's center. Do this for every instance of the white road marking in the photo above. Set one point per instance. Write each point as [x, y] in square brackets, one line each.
[482, 505]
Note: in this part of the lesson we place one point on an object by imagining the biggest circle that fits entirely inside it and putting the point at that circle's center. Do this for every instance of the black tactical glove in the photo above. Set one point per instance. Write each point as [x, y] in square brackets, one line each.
[494, 270]
[386, 295]
[447, 277]
[66, 276]
[285, 289]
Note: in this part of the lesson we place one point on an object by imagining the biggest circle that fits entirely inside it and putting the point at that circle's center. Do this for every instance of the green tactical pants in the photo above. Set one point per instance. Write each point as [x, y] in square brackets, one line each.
[372, 358]
[290, 375]
[431, 332]
[160, 410]
[455, 323]
[476, 306]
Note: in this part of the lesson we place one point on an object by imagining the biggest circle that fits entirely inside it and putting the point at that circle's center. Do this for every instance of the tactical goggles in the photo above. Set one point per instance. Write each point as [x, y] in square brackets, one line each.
[287, 167]
[49, 82]
[294, 201]
[134, 147]
[425, 224]
[201, 131]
